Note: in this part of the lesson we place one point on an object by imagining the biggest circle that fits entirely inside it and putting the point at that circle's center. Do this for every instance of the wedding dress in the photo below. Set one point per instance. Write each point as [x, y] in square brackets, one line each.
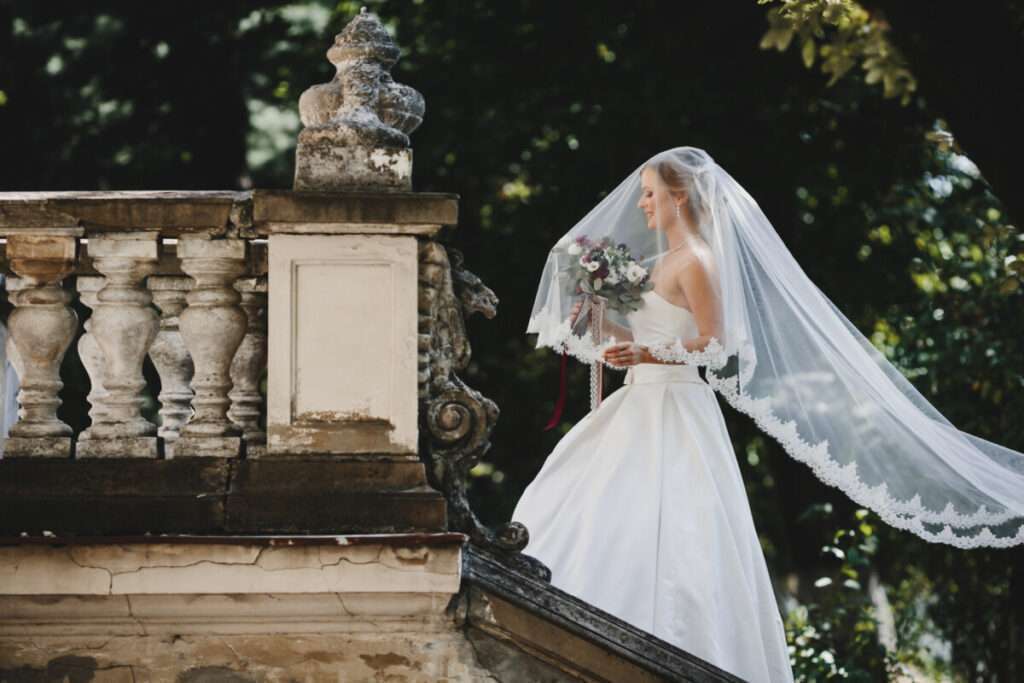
[641, 511]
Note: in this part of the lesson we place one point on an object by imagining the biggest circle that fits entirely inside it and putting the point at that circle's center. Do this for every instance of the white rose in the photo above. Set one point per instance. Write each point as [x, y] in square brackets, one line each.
[574, 248]
[613, 278]
[592, 266]
[636, 273]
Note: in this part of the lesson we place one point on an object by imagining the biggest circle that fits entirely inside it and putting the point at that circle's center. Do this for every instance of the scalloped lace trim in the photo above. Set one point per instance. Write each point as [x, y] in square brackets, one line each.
[909, 515]
[563, 340]
[713, 355]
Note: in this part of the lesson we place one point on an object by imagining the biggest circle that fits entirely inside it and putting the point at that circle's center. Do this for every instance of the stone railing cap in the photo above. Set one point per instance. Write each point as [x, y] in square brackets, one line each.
[395, 539]
[226, 213]
[348, 212]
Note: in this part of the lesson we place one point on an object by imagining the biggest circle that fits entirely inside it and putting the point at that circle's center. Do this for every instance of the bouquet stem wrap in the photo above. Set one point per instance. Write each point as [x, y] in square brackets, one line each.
[597, 306]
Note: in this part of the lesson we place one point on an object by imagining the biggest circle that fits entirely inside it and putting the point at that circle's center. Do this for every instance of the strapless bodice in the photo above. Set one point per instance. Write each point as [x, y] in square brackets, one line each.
[659, 321]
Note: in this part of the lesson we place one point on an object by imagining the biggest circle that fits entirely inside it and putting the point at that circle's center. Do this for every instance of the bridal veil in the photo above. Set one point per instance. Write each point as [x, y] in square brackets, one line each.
[786, 356]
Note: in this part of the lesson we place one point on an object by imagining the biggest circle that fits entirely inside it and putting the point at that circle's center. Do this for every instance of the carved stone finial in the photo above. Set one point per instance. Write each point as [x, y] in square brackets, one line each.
[357, 126]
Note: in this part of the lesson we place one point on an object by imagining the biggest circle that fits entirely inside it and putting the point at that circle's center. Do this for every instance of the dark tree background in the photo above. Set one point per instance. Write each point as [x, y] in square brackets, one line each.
[534, 109]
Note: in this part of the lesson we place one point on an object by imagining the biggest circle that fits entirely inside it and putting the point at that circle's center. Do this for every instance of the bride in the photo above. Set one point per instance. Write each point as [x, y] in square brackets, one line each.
[640, 509]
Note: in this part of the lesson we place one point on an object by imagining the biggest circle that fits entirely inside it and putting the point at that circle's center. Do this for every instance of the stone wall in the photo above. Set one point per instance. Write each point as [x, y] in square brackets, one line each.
[265, 658]
[357, 608]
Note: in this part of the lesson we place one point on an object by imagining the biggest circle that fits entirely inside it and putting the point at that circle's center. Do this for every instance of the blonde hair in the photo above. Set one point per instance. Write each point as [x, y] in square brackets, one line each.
[679, 182]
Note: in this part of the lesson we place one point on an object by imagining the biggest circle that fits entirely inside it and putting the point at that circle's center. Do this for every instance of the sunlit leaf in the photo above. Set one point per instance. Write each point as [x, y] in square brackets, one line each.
[807, 52]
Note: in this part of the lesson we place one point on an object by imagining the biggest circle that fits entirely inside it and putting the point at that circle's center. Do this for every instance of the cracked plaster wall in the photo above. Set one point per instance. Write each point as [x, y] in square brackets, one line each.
[169, 568]
[232, 613]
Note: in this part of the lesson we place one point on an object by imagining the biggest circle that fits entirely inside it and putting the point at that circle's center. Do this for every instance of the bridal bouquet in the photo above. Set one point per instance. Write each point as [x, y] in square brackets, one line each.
[608, 270]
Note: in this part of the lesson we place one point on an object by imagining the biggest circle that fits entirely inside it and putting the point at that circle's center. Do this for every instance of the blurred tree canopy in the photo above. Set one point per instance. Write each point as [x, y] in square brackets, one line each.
[533, 111]
[965, 59]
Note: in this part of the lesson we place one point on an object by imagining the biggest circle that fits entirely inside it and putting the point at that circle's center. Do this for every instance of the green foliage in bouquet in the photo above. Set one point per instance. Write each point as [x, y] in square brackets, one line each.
[610, 271]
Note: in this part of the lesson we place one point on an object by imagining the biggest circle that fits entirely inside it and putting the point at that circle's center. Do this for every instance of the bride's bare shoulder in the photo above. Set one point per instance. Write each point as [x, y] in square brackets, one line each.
[696, 257]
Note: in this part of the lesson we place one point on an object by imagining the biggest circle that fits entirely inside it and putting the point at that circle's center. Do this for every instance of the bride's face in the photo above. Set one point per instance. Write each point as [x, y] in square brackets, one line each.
[655, 199]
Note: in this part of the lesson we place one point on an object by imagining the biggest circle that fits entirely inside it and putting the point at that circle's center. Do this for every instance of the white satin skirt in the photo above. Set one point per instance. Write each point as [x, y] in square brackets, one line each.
[641, 511]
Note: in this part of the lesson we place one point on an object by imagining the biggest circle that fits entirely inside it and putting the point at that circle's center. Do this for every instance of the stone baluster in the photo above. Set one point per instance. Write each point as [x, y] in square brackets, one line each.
[169, 355]
[213, 326]
[41, 328]
[12, 285]
[125, 323]
[248, 365]
[88, 349]
[10, 353]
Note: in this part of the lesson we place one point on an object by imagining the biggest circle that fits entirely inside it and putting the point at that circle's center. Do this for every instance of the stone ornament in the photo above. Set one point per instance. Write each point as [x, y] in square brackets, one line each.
[169, 355]
[124, 324]
[357, 126]
[212, 326]
[41, 328]
[248, 366]
[89, 351]
[457, 419]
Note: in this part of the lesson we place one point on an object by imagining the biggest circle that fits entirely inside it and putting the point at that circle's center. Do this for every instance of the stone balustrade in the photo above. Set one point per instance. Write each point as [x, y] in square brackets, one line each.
[260, 362]
[180, 280]
[274, 443]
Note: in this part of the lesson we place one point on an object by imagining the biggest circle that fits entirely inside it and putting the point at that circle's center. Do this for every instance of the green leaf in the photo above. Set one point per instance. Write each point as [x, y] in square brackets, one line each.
[1009, 285]
[807, 52]
[873, 76]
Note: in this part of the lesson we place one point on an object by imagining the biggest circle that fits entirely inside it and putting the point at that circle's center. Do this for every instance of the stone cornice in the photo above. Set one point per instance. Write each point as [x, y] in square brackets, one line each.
[249, 214]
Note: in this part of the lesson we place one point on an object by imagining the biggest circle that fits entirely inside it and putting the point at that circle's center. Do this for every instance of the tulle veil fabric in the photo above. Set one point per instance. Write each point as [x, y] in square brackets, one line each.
[787, 357]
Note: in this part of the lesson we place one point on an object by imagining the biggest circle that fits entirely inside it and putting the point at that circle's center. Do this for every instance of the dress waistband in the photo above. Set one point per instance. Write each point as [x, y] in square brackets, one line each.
[655, 373]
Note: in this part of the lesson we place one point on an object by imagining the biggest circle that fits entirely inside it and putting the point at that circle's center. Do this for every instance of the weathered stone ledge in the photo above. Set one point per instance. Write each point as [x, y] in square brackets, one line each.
[246, 214]
[443, 538]
[240, 567]
[292, 494]
[325, 584]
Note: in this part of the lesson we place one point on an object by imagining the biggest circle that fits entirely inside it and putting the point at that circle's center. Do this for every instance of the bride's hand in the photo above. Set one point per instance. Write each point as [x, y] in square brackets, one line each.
[625, 354]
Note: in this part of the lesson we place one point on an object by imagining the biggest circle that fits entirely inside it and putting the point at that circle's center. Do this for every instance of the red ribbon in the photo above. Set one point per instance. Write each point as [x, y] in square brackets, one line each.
[563, 393]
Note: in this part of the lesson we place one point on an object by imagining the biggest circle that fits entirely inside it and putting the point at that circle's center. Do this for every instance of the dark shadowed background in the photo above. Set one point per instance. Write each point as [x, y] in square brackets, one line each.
[534, 109]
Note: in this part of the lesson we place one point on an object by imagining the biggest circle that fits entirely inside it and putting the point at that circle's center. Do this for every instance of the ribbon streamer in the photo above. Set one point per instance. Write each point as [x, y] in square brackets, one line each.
[593, 306]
